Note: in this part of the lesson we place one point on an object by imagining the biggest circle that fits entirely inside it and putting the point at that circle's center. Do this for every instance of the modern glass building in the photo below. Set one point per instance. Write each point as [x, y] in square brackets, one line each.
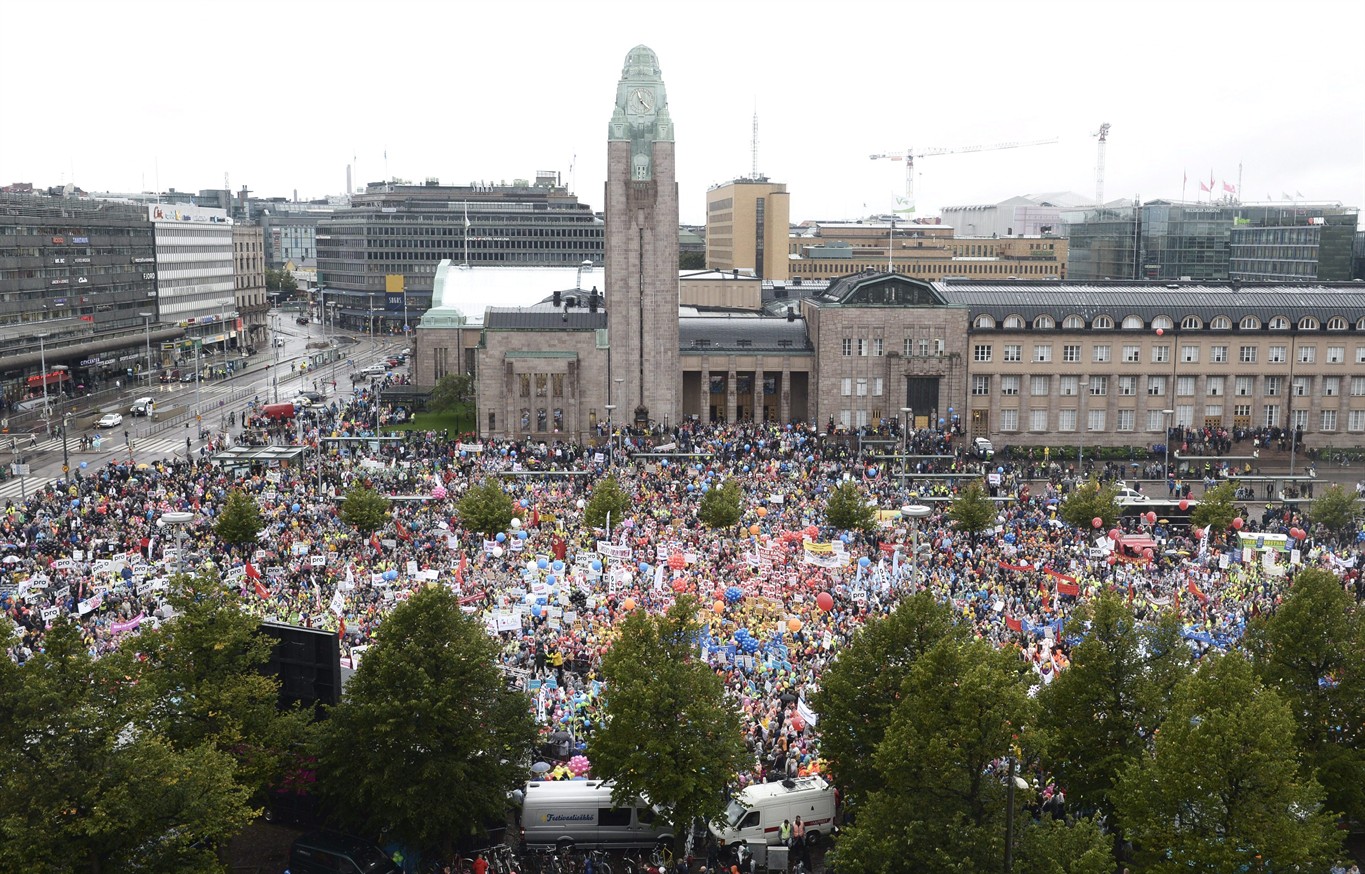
[1286, 245]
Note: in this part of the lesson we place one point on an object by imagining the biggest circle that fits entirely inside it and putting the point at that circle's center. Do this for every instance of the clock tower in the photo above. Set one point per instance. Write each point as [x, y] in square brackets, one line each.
[644, 371]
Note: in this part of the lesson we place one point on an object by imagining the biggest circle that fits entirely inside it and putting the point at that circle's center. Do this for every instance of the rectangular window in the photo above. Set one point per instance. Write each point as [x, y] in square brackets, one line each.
[1067, 386]
[1189, 354]
[1009, 420]
[1132, 354]
[1013, 352]
[861, 385]
[1009, 385]
[1302, 385]
[1099, 385]
[1331, 386]
[1245, 385]
[1272, 415]
[1213, 411]
[1155, 420]
[1156, 386]
[1125, 419]
[1298, 419]
[1042, 354]
[981, 352]
[862, 347]
[877, 387]
[1246, 354]
[1100, 353]
[1094, 420]
[909, 347]
[1355, 420]
[1127, 385]
[877, 346]
[846, 386]
[1038, 385]
[845, 418]
[1336, 354]
[1277, 355]
[1329, 420]
[1184, 386]
[1272, 385]
[1308, 354]
[1214, 386]
[1161, 354]
[1037, 420]
[981, 385]
[1360, 355]
[1218, 355]
[1071, 353]
[848, 347]
[1184, 415]
[1066, 420]
[1358, 386]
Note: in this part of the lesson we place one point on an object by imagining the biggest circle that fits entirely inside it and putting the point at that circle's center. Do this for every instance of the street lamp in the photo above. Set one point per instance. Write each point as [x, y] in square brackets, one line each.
[372, 320]
[178, 520]
[1166, 466]
[147, 332]
[42, 357]
[915, 512]
[611, 437]
[1084, 389]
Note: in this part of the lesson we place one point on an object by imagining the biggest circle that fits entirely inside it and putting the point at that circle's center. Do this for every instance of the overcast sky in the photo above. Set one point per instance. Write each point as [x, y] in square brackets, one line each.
[282, 95]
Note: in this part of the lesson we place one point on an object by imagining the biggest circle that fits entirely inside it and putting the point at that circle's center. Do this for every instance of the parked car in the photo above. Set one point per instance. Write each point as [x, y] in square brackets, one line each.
[301, 401]
[314, 397]
[110, 420]
[188, 376]
[302, 320]
[142, 407]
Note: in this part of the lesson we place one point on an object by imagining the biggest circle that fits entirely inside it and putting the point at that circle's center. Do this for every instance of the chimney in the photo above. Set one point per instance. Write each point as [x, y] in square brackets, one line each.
[348, 180]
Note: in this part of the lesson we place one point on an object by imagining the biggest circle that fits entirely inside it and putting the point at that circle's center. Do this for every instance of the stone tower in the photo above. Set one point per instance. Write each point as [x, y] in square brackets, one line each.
[642, 248]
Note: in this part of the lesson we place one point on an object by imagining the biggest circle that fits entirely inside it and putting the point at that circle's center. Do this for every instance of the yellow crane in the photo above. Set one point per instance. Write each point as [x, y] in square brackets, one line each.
[909, 156]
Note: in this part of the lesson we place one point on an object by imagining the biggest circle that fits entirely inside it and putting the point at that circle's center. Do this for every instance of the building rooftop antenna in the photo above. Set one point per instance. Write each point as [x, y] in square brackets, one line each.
[753, 146]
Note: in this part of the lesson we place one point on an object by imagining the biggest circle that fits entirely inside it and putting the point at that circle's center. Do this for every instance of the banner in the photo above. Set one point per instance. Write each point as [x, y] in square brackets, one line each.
[131, 624]
[607, 549]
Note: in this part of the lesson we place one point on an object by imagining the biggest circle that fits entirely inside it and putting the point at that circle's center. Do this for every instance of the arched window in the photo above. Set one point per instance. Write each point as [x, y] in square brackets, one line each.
[1131, 323]
[1360, 324]
[1073, 322]
[1309, 323]
[1191, 323]
[1043, 323]
[1163, 322]
[1014, 323]
[985, 321]
[1104, 322]
[1220, 323]
[1250, 323]
[1279, 323]
[1336, 323]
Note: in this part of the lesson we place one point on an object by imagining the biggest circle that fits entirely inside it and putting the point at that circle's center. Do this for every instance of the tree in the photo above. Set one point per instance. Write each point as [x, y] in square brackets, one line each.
[694, 744]
[486, 508]
[1216, 508]
[691, 260]
[1099, 714]
[240, 519]
[452, 392]
[364, 509]
[204, 673]
[427, 739]
[1088, 500]
[859, 691]
[1336, 510]
[1052, 846]
[1221, 790]
[964, 707]
[1312, 652]
[87, 782]
[721, 506]
[280, 280]
[607, 497]
[972, 511]
[847, 509]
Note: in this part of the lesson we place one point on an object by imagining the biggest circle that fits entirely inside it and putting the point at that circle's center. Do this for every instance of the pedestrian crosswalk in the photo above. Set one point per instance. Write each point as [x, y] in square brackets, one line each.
[47, 470]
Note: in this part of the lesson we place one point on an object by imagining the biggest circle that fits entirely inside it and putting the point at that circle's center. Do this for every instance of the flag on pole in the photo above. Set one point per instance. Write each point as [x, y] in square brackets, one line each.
[1210, 179]
[1203, 187]
[1298, 194]
[1230, 189]
[251, 572]
[261, 590]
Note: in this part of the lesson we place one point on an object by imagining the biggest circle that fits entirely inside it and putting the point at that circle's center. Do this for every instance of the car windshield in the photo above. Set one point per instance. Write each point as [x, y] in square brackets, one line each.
[734, 813]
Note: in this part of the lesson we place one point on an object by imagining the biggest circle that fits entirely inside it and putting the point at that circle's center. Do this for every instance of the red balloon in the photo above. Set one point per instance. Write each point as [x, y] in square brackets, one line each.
[1147, 553]
[1113, 559]
[1184, 504]
[1197, 533]
[1160, 331]
[1237, 523]
[1115, 535]
[1097, 522]
[825, 601]
[1151, 517]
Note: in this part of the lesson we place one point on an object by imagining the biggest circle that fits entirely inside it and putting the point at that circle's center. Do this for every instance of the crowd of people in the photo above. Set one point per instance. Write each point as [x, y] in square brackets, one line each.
[782, 591]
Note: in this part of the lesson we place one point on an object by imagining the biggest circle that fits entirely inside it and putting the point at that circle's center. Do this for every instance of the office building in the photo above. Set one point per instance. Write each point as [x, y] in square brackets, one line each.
[195, 277]
[747, 225]
[1284, 246]
[1028, 215]
[248, 269]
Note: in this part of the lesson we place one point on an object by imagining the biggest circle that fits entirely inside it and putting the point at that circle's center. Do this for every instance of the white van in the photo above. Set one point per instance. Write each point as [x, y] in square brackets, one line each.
[755, 815]
[556, 813]
[983, 448]
[142, 407]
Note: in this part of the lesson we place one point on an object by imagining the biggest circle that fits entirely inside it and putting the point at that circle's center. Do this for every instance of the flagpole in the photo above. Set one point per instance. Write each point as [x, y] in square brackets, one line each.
[1184, 180]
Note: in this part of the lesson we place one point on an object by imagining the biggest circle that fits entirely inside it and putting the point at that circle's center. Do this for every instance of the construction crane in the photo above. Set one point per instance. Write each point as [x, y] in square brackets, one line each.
[1103, 134]
[909, 156]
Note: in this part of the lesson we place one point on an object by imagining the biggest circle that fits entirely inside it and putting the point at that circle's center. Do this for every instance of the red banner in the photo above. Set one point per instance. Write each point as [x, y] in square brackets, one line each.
[1013, 624]
[1060, 576]
[1194, 590]
[1068, 589]
[1006, 566]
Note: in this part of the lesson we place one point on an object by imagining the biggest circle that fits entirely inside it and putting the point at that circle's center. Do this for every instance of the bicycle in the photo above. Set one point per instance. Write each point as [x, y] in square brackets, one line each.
[600, 859]
[662, 856]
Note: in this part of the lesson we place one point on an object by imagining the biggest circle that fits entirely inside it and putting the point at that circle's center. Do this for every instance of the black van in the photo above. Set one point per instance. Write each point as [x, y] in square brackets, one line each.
[329, 853]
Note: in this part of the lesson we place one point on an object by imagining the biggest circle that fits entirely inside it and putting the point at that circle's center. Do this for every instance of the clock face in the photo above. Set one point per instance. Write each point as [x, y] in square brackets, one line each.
[641, 101]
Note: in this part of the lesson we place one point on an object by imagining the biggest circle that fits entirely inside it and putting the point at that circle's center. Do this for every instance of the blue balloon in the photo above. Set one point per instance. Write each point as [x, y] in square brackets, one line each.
[872, 471]
[999, 470]
[500, 537]
[551, 579]
[663, 462]
[84, 465]
[950, 409]
[521, 535]
[644, 567]
[295, 508]
[558, 565]
[542, 563]
[75, 502]
[864, 561]
[390, 575]
[940, 420]
[535, 611]
[596, 565]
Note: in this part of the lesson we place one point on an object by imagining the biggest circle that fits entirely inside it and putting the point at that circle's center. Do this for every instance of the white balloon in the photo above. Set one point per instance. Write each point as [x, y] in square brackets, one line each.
[497, 552]
[516, 523]
[582, 503]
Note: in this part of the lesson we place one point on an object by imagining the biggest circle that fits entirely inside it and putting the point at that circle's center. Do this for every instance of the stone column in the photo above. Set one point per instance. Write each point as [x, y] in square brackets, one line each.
[758, 391]
[784, 393]
[705, 390]
[730, 395]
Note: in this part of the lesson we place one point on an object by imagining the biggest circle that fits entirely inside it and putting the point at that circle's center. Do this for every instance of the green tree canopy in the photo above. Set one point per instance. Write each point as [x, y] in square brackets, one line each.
[1098, 713]
[451, 392]
[1221, 790]
[1215, 509]
[972, 511]
[1088, 500]
[1312, 652]
[607, 497]
[364, 509]
[721, 506]
[427, 739]
[693, 745]
[1052, 846]
[1336, 509]
[848, 510]
[240, 519]
[87, 782]
[859, 691]
[486, 508]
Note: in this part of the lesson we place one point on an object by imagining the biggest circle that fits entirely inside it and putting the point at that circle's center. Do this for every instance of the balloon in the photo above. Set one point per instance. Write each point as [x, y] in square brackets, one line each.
[644, 567]
[1113, 559]
[825, 601]
[557, 566]
[596, 565]
[1160, 331]
[1197, 533]
[1115, 534]
[516, 523]
[438, 492]
[542, 563]
[754, 529]
[551, 580]
[793, 625]
[761, 511]
[1184, 504]
[1237, 523]
[497, 552]
[1147, 553]
[864, 561]
[718, 607]
[500, 537]
[629, 603]
[582, 503]
[84, 465]
[521, 535]
[680, 584]
[1151, 517]
[1097, 522]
